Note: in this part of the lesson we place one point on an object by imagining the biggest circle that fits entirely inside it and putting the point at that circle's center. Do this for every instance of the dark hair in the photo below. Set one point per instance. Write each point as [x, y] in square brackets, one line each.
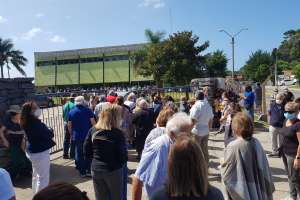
[120, 100]
[26, 114]
[297, 100]
[169, 98]
[248, 88]
[258, 84]
[187, 170]
[60, 191]
[199, 95]
[242, 125]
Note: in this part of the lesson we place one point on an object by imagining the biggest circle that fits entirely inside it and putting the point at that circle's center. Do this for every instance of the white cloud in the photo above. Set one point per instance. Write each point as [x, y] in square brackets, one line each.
[31, 33]
[152, 3]
[39, 15]
[2, 19]
[57, 39]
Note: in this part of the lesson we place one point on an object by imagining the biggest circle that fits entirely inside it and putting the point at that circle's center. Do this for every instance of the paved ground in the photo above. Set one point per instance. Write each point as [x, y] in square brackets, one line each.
[63, 170]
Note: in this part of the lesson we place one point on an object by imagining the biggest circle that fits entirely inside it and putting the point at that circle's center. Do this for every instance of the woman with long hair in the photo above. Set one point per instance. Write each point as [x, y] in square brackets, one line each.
[39, 143]
[187, 174]
[105, 145]
[245, 170]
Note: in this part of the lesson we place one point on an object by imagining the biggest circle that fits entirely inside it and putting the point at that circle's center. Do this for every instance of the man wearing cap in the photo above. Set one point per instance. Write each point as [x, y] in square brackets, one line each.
[201, 115]
[15, 142]
[66, 109]
[80, 120]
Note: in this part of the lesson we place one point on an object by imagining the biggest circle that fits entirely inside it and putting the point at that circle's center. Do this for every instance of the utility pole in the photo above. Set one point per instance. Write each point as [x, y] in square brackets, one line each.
[276, 66]
[232, 36]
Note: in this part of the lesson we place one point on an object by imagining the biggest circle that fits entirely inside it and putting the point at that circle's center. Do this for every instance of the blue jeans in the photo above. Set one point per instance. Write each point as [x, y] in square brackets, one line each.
[250, 112]
[67, 142]
[83, 165]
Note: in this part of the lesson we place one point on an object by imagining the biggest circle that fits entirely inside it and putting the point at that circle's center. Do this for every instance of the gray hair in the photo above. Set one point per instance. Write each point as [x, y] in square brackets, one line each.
[280, 96]
[142, 104]
[131, 97]
[179, 123]
[79, 100]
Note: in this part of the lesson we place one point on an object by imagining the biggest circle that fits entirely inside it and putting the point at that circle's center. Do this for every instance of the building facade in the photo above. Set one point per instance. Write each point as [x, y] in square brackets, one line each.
[87, 66]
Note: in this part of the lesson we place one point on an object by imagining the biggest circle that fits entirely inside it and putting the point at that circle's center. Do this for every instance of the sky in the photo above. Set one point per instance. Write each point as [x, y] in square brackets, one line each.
[49, 25]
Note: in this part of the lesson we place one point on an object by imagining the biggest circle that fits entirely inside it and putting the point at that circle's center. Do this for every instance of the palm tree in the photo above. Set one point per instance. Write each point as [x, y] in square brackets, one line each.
[154, 37]
[10, 56]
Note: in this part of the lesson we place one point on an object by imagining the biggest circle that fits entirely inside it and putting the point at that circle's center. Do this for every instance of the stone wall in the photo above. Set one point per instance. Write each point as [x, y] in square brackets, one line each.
[14, 91]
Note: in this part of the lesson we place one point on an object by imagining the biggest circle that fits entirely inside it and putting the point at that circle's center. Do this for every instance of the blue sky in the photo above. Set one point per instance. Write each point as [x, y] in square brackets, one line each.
[46, 25]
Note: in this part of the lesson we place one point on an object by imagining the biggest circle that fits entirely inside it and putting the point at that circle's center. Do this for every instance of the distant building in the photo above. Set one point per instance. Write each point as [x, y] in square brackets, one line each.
[86, 66]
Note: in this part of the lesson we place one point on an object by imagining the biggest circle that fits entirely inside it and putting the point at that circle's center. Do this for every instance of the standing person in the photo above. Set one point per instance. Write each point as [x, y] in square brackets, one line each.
[80, 120]
[187, 174]
[258, 98]
[289, 96]
[99, 107]
[7, 191]
[67, 137]
[94, 100]
[130, 102]
[143, 122]
[249, 98]
[15, 142]
[183, 106]
[201, 115]
[276, 121]
[245, 171]
[290, 148]
[152, 169]
[106, 146]
[39, 142]
[157, 106]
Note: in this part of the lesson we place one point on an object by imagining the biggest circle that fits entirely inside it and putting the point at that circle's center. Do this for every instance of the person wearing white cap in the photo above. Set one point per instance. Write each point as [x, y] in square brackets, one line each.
[80, 120]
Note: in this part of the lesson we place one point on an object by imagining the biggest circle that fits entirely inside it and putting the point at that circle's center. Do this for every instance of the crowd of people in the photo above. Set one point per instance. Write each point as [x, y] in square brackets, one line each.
[171, 142]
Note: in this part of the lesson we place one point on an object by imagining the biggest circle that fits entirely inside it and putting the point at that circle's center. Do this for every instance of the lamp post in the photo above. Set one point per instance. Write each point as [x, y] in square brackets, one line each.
[232, 36]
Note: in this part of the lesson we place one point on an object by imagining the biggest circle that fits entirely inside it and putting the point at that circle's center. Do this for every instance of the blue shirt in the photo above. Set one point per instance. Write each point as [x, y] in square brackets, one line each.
[249, 100]
[80, 117]
[6, 187]
[152, 169]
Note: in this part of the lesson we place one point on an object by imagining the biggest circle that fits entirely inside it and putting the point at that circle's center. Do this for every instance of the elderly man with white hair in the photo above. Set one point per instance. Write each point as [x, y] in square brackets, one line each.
[152, 169]
[80, 120]
[130, 102]
[143, 122]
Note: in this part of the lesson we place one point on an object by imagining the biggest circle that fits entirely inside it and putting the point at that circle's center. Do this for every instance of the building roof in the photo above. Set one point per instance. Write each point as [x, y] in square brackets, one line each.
[96, 50]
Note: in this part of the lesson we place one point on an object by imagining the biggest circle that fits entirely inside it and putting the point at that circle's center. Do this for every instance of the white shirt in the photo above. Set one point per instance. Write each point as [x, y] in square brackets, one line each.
[130, 104]
[202, 113]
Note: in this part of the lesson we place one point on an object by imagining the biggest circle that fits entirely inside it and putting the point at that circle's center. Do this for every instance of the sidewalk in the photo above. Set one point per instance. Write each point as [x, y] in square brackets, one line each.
[63, 170]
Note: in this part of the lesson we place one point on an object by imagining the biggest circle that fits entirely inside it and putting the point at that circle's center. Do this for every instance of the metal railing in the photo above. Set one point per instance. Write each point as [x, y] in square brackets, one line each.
[53, 118]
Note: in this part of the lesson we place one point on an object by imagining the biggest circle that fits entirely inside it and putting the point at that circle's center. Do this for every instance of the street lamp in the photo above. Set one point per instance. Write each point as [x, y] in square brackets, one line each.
[232, 36]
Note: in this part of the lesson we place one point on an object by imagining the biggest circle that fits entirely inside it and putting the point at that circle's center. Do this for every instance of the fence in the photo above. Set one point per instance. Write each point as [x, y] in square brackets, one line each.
[53, 118]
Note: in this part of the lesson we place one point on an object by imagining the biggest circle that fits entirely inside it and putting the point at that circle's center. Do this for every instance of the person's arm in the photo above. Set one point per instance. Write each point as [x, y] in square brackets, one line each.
[93, 121]
[3, 138]
[70, 128]
[137, 187]
[297, 161]
[88, 145]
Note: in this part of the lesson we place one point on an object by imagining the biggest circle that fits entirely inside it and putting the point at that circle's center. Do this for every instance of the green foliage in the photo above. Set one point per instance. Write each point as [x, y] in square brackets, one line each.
[9, 56]
[289, 48]
[258, 67]
[296, 72]
[216, 63]
[175, 60]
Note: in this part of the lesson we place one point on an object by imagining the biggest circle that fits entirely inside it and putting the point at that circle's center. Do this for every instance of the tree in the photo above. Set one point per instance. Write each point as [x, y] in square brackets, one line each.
[289, 48]
[9, 56]
[258, 67]
[154, 37]
[175, 60]
[216, 64]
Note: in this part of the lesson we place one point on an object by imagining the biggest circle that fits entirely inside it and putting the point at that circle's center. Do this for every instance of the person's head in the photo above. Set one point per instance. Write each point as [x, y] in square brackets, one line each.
[199, 95]
[120, 100]
[72, 97]
[205, 91]
[102, 98]
[179, 124]
[14, 113]
[297, 100]
[169, 98]
[164, 116]
[225, 95]
[157, 99]
[242, 126]
[258, 84]
[279, 98]
[171, 105]
[109, 117]
[60, 191]
[142, 104]
[30, 111]
[80, 101]
[235, 108]
[291, 110]
[131, 97]
[248, 88]
[191, 102]
[187, 170]
[183, 99]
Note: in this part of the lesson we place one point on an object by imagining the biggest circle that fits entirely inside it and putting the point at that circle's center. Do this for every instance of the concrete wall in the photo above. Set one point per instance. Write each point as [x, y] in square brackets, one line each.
[14, 91]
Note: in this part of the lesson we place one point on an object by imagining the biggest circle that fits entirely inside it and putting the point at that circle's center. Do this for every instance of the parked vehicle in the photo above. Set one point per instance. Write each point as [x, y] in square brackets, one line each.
[287, 82]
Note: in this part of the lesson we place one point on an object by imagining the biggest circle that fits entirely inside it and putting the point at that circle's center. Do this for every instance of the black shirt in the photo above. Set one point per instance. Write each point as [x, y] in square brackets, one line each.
[143, 120]
[106, 148]
[213, 194]
[15, 134]
[290, 140]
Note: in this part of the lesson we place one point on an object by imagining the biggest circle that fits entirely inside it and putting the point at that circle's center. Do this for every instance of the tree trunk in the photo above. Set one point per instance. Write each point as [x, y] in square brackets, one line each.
[2, 75]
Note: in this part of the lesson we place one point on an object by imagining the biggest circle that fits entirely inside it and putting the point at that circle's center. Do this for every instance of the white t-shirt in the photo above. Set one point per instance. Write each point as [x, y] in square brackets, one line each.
[202, 113]
[130, 104]
[6, 187]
